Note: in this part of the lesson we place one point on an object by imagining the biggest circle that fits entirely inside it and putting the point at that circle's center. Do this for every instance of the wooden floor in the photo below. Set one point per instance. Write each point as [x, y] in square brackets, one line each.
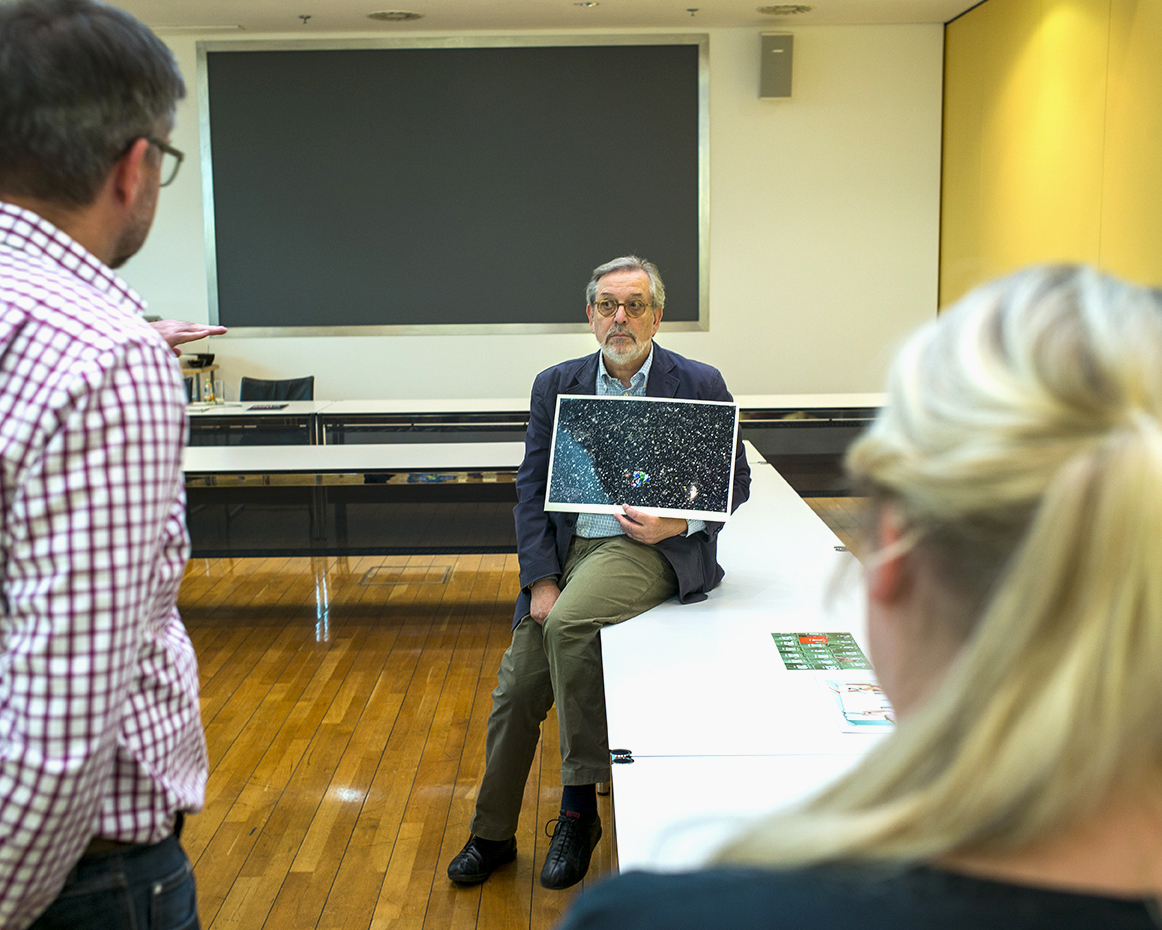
[345, 703]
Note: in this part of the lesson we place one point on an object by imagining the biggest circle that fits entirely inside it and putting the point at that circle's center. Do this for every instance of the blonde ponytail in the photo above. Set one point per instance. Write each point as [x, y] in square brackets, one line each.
[1022, 442]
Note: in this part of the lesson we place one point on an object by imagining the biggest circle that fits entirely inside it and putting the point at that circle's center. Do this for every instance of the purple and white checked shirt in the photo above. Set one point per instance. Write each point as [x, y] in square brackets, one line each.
[100, 730]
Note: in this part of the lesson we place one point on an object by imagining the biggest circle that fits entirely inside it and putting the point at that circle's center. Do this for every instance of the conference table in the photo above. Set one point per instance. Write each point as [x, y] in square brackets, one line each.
[436, 420]
[263, 464]
[278, 498]
[718, 729]
[293, 422]
[467, 419]
[381, 499]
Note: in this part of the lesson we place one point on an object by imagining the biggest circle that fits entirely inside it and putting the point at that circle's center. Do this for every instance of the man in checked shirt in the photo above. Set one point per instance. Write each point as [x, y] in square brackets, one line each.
[101, 745]
[580, 573]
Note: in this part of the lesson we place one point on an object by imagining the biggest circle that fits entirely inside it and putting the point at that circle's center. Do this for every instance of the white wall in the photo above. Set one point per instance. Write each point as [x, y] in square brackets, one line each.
[824, 236]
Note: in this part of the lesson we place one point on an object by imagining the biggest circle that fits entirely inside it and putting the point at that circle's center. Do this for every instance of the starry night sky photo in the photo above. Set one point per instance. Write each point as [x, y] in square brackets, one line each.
[647, 453]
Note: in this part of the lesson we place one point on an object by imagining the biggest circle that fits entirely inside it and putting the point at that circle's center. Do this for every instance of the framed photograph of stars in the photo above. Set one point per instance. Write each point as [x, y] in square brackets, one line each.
[670, 458]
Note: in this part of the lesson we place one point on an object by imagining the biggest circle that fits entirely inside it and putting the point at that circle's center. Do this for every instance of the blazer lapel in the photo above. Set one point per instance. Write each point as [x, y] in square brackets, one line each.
[585, 379]
[663, 378]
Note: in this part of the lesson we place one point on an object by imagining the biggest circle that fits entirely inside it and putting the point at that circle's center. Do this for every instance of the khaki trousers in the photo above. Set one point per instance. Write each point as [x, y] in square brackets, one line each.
[605, 581]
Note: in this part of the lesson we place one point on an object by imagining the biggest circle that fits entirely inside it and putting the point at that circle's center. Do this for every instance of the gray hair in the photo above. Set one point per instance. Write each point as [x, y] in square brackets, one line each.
[629, 263]
[80, 81]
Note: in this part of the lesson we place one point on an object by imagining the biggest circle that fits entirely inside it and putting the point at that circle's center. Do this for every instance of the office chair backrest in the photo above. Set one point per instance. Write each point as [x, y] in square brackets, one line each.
[290, 389]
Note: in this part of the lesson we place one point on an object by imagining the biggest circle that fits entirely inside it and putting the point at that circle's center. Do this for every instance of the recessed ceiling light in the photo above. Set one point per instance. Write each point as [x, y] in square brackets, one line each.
[586, 3]
[395, 16]
[784, 9]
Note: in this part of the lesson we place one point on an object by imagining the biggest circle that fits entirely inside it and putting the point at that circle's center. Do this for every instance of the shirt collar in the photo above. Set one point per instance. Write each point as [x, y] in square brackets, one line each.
[30, 233]
[639, 378]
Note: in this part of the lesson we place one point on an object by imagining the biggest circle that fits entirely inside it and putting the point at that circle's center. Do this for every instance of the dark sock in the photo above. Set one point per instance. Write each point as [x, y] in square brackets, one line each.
[491, 845]
[579, 799]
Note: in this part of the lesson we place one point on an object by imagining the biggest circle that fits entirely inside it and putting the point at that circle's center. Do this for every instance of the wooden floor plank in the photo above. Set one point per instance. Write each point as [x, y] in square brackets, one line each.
[246, 784]
[407, 883]
[334, 829]
[447, 743]
[385, 839]
[276, 830]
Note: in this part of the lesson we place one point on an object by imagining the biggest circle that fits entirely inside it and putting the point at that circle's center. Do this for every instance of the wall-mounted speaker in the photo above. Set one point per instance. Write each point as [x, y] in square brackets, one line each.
[775, 72]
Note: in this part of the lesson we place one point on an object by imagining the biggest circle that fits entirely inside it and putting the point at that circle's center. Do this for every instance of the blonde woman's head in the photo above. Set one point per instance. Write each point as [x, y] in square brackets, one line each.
[1021, 449]
[988, 405]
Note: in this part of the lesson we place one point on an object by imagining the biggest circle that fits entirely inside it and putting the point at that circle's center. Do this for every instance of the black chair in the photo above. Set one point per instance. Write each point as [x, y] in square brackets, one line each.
[260, 390]
[290, 389]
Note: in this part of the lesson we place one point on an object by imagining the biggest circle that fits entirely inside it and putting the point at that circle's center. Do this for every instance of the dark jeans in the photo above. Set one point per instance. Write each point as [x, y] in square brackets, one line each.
[137, 888]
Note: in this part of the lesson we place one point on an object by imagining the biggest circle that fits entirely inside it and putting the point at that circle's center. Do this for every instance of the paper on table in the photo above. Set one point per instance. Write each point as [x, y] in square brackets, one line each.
[858, 706]
[817, 651]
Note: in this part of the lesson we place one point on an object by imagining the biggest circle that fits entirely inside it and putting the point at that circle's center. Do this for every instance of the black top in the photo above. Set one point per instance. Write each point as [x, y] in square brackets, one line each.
[831, 899]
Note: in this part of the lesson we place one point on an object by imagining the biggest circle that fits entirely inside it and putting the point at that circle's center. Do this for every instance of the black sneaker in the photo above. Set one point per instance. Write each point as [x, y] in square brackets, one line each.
[480, 858]
[574, 839]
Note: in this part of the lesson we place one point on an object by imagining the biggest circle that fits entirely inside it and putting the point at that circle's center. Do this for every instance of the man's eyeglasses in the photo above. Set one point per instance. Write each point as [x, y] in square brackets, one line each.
[171, 160]
[634, 307]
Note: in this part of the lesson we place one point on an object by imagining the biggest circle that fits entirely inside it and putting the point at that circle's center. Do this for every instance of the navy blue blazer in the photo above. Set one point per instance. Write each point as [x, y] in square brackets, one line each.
[542, 537]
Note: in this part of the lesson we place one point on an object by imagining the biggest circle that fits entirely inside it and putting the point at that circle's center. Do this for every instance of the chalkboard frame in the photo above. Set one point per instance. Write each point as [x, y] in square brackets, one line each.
[701, 40]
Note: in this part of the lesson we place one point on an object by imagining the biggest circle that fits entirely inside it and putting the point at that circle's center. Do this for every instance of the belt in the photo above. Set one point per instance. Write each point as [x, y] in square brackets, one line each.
[99, 846]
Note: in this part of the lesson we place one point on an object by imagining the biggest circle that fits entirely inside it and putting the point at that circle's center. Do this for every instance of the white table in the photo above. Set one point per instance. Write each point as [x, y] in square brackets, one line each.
[294, 422]
[699, 694]
[351, 499]
[435, 405]
[810, 428]
[521, 404]
[672, 811]
[808, 401]
[445, 456]
[477, 419]
[287, 408]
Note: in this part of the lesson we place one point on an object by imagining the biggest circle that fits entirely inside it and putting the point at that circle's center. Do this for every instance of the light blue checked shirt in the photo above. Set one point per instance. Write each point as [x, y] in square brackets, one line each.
[594, 525]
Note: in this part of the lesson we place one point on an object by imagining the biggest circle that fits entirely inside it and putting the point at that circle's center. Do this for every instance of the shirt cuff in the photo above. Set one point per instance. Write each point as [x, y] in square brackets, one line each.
[694, 526]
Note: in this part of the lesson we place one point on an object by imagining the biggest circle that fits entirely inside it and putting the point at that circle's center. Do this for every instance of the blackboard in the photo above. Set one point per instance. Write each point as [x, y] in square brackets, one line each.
[450, 186]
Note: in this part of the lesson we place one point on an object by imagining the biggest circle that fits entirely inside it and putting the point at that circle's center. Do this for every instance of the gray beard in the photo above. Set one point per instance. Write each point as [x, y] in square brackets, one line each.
[632, 354]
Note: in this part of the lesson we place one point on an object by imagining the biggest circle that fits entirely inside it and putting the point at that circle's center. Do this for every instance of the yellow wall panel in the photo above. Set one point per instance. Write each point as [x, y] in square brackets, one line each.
[1009, 77]
[1131, 238]
[1024, 141]
[960, 207]
[1065, 135]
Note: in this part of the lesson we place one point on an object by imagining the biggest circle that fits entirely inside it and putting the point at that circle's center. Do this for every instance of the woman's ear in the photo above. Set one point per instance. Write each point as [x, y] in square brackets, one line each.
[888, 577]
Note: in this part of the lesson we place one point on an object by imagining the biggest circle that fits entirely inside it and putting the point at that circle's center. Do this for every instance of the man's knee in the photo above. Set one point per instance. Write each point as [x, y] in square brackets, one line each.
[562, 629]
[526, 695]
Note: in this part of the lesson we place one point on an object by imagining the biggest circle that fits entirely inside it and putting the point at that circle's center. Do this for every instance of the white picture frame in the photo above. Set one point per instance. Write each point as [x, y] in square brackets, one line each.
[667, 457]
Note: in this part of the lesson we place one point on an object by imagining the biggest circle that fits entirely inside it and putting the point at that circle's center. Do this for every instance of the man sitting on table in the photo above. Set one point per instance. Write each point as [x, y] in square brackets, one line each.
[580, 573]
